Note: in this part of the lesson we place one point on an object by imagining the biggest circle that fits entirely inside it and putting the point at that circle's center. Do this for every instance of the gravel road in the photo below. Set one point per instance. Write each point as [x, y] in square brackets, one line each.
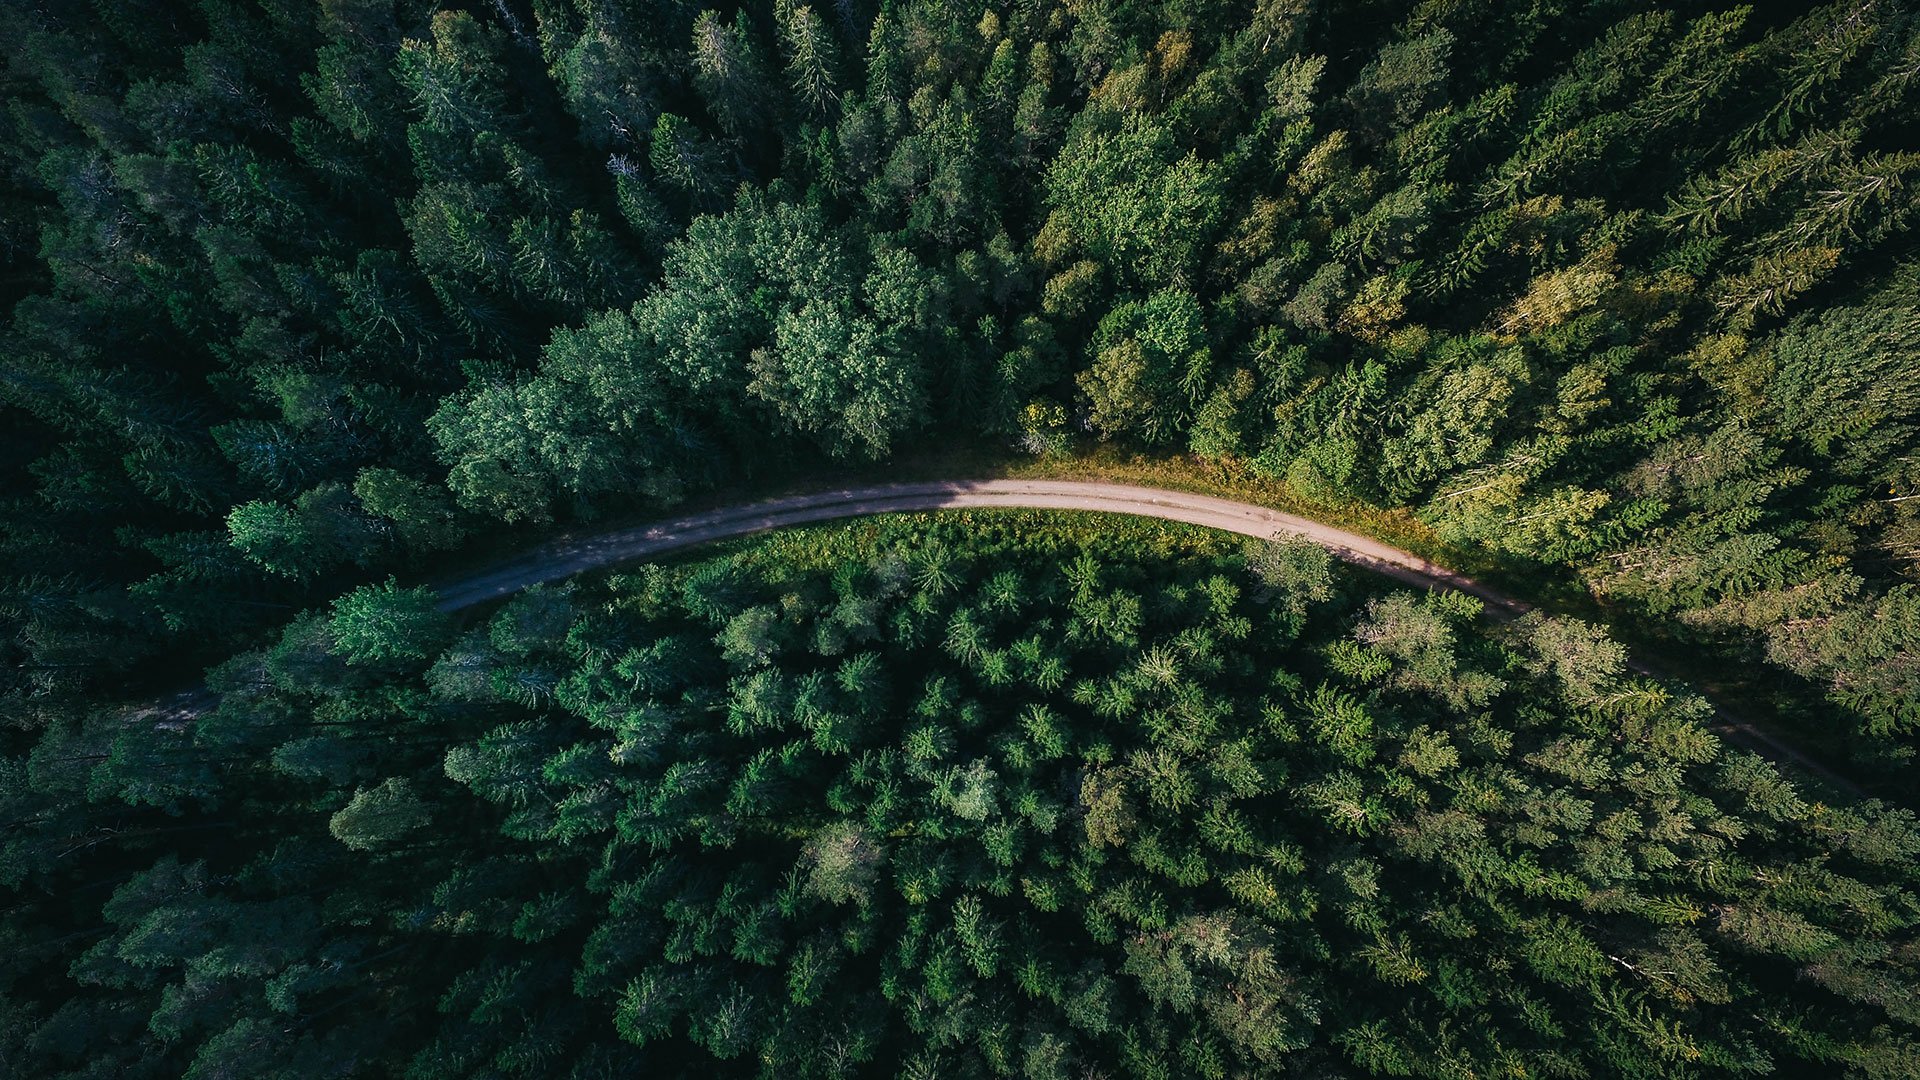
[570, 555]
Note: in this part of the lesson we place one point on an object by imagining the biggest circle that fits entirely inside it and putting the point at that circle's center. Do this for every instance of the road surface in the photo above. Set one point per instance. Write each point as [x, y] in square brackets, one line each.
[567, 556]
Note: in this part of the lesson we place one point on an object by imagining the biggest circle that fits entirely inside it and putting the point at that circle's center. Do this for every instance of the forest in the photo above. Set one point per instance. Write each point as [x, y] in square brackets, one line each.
[962, 796]
[303, 303]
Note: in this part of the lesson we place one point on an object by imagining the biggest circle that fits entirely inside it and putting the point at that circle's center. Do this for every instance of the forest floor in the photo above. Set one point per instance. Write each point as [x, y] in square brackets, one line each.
[568, 555]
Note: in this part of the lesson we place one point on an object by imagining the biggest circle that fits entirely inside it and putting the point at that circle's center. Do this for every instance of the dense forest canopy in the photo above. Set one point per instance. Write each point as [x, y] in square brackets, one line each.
[968, 797]
[295, 297]
[301, 293]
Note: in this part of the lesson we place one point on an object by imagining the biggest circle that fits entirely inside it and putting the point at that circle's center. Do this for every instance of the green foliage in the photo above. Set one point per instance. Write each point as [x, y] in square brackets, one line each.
[303, 296]
[376, 623]
[379, 817]
[865, 793]
[1132, 202]
[1152, 358]
[1515, 272]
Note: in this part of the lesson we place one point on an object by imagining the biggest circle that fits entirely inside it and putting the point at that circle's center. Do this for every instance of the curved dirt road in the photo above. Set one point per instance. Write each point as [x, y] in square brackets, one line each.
[568, 556]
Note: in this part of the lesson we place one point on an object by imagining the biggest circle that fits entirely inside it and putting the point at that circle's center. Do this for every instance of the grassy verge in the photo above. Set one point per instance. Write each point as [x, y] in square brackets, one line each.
[976, 533]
